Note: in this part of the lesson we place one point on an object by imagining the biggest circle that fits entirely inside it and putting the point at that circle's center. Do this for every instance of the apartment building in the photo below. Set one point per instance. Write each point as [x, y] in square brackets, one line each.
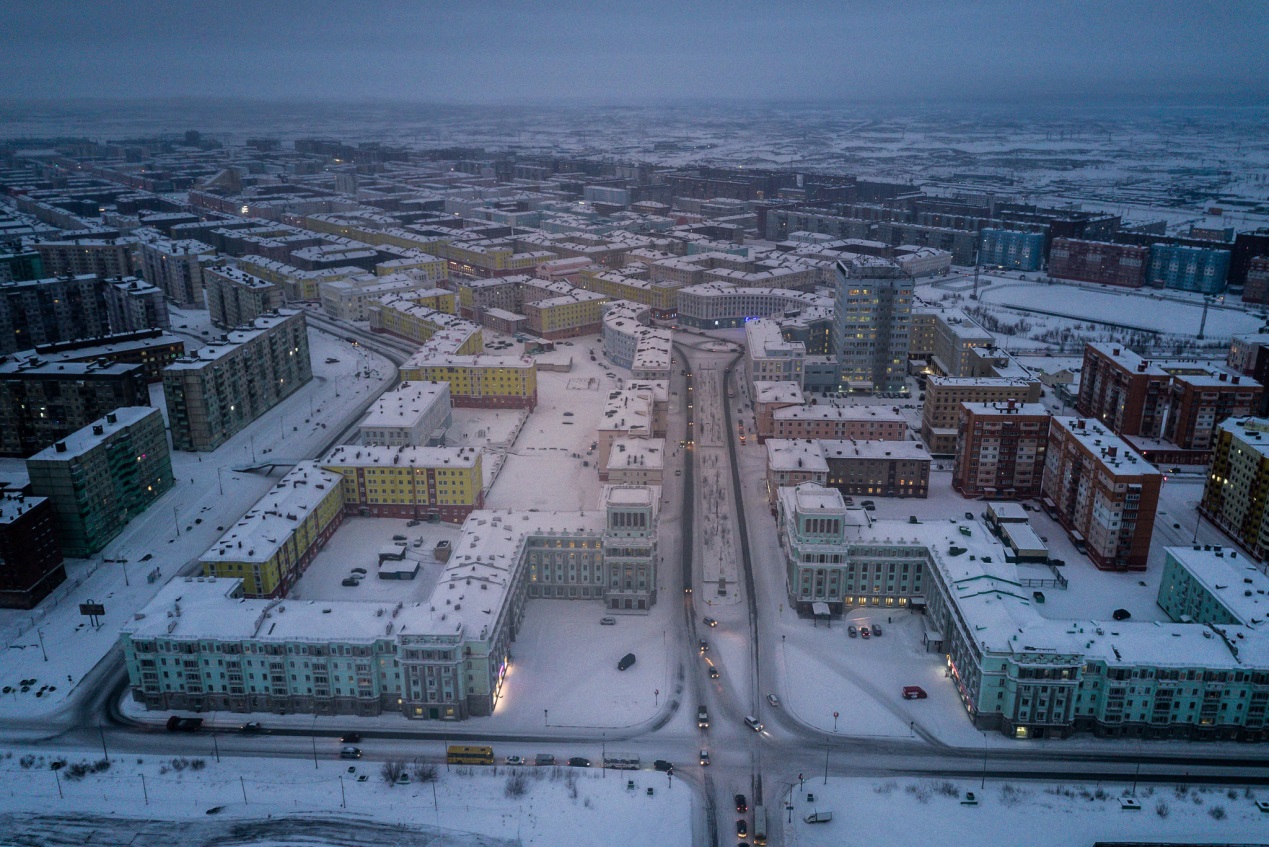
[1000, 450]
[1200, 400]
[153, 349]
[837, 422]
[100, 257]
[43, 401]
[30, 555]
[1123, 391]
[236, 298]
[871, 320]
[1213, 584]
[444, 658]
[271, 545]
[1102, 491]
[416, 414]
[1012, 249]
[720, 305]
[579, 312]
[1234, 494]
[955, 338]
[1099, 261]
[944, 396]
[102, 476]
[878, 468]
[446, 483]
[418, 316]
[221, 387]
[768, 357]
[791, 462]
[1186, 268]
[176, 268]
[635, 461]
[478, 381]
[350, 299]
[768, 398]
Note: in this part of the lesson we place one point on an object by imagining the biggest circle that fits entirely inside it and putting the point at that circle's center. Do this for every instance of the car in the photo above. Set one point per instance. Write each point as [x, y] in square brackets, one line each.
[579, 762]
[742, 828]
[178, 724]
[254, 726]
[713, 672]
[544, 759]
[711, 622]
[361, 571]
[914, 692]
[702, 717]
[704, 645]
[1121, 614]
[687, 590]
[753, 723]
[350, 582]
[876, 630]
[741, 805]
[704, 758]
[626, 661]
[969, 516]
[851, 631]
[868, 506]
[350, 737]
[863, 632]
[513, 760]
[663, 766]
[607, 620]
[412, 522]
[350, 752]
[773, 700]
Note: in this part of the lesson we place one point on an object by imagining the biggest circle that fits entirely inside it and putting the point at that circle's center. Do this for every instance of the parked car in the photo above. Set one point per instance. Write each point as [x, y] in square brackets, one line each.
[607, 621]
[863, 631]
[1121, 614]
[254, 726]
[852, 632]
[914, 692]
[663, 765]
[179, 724]
[579, 762]
[350, 582]
[969, 516]
[626, 661]
[514, 760]
[773, 700]
[869, 506]
[741, 805]
[876, 630]
[711, 622]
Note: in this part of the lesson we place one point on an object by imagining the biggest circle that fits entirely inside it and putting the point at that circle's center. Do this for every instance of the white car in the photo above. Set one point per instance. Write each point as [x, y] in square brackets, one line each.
[513, 760]
[773, 700]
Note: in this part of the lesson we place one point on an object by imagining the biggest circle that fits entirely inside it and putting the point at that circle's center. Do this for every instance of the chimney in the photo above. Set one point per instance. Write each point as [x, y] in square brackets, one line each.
[1235, 379]
[111, 417]
[98, 429]
[1116, 352]
[61, 446]
[1224, 377]
[1112, 451]
[1141, 368]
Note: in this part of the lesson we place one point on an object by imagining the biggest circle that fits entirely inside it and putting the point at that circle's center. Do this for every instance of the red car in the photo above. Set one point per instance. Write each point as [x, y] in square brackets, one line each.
[914, 692]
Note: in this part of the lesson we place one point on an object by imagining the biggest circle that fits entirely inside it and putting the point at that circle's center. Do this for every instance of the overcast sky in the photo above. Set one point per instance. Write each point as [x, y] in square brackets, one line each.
[638, 51]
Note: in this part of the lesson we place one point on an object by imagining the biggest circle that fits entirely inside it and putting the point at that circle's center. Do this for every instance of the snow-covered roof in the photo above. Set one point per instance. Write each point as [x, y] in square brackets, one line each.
[270, 523]
[778, 392]
[406, 405]
[82, 440]
[896, 450]
[1114, 454]
[795, 454]
[370, 455]
[232, 340]
[831, 412]
[1235, 580]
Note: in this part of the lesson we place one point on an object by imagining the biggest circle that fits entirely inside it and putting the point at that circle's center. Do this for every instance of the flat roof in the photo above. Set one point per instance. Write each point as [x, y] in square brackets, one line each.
[270, 523]
[405, 406]
[370, 455]
[1229, 576]
[82, 440]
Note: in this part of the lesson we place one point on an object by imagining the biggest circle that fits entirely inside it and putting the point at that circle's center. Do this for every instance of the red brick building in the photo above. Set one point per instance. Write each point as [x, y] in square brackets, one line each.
[1000, 449]
[1123, 391]
[1098, 261]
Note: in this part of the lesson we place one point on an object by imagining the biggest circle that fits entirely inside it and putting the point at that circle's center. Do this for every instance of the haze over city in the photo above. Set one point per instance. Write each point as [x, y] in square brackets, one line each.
[693, 424]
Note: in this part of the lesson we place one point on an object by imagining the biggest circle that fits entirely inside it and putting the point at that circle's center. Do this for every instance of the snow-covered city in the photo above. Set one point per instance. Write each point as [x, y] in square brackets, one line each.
[690, 464]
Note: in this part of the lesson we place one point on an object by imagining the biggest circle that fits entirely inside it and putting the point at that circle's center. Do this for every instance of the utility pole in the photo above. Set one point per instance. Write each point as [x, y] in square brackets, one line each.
[144, 793]
[826, 749]
[1207, 301]
[102, 731]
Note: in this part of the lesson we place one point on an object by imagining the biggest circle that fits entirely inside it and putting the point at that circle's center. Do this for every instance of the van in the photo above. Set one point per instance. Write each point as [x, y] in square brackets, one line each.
[753, 723]
[350, 752]
[818, 817]
[544, 759]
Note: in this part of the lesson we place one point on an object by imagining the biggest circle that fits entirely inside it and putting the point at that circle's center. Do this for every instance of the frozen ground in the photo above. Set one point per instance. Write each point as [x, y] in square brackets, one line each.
[918, 813]
[281, 801]
[544, 467]
[176, 529]
[565, 662]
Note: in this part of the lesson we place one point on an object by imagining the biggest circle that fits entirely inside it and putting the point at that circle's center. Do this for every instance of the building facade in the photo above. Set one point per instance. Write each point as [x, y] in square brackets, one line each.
[30, 555]
[944, 396]
[1234, 494]
[871, 322]
[1000, 450]
[236, 298]
[103, 476]
[1102, 492]
[1012, 249]
[1200, 269]
[216, 391]
[1099, 261]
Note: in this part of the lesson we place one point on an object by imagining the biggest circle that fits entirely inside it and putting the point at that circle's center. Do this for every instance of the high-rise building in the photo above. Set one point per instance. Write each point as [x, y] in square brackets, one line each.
[103, 476]
[871, 323]
[103, 257]
[1011, 248]
[43, 400]
[220, 388]
[1099, 261]
[236, 298]
[1234, 495]
[944, 395]
[1123, 391]
[1102, 491]
[30, 557]
[68, 308]
[1186, 268]
[1000, 449]
[176, 267]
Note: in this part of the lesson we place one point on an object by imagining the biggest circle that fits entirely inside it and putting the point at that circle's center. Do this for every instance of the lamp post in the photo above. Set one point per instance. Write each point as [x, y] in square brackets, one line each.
[40, 633]
[834, 721]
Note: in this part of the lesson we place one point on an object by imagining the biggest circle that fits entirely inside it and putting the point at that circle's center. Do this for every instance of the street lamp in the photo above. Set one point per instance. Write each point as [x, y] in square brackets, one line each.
[834, 721]
[40, 633]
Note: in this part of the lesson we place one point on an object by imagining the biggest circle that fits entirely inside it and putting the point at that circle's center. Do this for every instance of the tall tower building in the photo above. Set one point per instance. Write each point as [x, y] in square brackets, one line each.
[872, 323]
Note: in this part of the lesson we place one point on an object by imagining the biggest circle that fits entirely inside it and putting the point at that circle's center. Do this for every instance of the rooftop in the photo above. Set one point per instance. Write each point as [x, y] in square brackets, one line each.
[82, 440]
[271, 522]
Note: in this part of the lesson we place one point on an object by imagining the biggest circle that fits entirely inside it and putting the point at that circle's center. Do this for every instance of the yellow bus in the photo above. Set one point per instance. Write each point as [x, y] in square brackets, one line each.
[463, 754]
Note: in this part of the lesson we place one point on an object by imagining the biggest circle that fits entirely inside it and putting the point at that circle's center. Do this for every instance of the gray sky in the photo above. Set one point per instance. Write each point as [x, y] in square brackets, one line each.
[474, 52]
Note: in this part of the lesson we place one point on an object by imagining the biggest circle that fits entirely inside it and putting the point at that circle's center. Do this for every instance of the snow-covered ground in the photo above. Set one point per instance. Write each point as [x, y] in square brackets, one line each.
[903, 812]
[463, 806]
[177, 528]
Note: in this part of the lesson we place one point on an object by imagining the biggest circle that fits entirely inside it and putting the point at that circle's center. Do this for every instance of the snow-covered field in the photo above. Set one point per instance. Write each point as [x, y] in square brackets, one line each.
[264, 801]
[916, 813]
